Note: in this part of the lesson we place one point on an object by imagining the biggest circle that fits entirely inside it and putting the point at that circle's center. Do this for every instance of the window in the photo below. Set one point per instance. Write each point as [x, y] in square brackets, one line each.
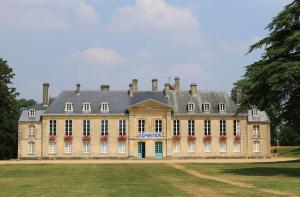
[86, 107]
[237, 147]
[176, 147]
[222, 127]
[31, 148]
[68, 127]
[255, 112]
[122, 147]
[236, 127]
[52, 129]
[122, 127]
[52, 147]
[206, 107]
[206, 127]
[31, 131]
[256, 146]
[103, 147]
[207, 146]
[191, 107]
[68, 147]
[158, 126]
[223, 147]
[141, 126]
[104, 107]
[191, 147]
[69, 107]
[86, 147]
[191, 127]
[176, 127]
[31, 113]
[222, 107]
[104, 127]
[86, 127]
[256, 131]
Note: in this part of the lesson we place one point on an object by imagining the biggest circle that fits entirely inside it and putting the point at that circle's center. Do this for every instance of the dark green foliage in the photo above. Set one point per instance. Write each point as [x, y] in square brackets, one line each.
[273, 82]
[287, 136]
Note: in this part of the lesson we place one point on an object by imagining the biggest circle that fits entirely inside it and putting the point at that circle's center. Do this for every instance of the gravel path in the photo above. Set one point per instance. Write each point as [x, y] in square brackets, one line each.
[146, 161]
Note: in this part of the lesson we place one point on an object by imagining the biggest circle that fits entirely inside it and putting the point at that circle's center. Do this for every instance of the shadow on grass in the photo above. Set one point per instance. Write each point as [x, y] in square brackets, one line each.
[265, 171]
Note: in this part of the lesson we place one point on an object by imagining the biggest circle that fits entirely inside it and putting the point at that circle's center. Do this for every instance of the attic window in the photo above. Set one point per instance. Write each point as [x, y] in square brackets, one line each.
[31, 113]
[104, 107]
[86, 107]
[68, 106]
[255, 112]
[222, 107]
[191, 106]
[206, 107]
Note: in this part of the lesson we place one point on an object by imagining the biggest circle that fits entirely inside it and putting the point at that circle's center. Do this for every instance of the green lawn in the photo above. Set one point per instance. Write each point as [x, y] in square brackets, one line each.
[146, 179]
[288, 151]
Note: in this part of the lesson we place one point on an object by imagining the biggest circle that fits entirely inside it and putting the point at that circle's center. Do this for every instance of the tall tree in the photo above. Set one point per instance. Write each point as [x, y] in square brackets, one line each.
[273, 82]
[8, 112]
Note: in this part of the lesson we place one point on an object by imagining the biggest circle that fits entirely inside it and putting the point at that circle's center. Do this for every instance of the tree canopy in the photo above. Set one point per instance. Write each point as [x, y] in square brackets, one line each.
[273, 82]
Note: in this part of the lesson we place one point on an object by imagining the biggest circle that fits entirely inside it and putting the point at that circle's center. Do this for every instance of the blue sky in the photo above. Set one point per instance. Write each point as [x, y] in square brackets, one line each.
[94, 42]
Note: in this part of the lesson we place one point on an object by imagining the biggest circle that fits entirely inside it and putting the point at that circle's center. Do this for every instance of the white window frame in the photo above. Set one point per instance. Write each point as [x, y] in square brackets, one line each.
[191, 147]
[122, 147]
[223, 147]
[207, 127]
[176, 147]
[158, 126]
[86, 147]
[31, 131]
[191, 127]
[206, 107]
[255, 112]
[86, 107]
[176, 127]
[122, 127]
[141, 126]
[68, 127]
[104, 107]
[256, 131]
[103, 147]
[256, 146]
[236, 127]
[191, 107]
[104, 127]
[52, 147]
[207, 146]
[31, 148]
[237, 147]
[222, 127]
[31, 113]
[52, 127]
[69, 107]
[86, 127]
[222, 107]
[68, 147]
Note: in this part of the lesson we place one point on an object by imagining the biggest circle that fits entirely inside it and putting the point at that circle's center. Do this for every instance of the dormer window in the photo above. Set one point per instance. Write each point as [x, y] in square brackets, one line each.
[222, 107]
[69, 107]
[255, 112]
[31, 113]
[104, 107]
[191, 106]
[206, 107]
[86, 107]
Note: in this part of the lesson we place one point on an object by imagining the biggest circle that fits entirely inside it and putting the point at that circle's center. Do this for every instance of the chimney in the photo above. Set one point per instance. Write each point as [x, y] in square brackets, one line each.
[104, 88]
[154, 85]
[239, 95]
[45, 94]
[193, 89]
[131, 89]
[177, 83]
[167, 89]
[135, 85]
[78, 89]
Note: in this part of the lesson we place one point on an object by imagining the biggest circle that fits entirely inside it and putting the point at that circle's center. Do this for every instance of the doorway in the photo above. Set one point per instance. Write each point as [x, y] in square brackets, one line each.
[158, 150]
[141, 150]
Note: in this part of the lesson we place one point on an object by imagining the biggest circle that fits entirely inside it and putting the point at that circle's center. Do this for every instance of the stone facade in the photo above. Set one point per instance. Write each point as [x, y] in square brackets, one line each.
[247, 135]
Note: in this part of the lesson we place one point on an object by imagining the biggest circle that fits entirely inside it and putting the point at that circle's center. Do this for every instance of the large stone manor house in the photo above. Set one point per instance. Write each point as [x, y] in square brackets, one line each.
[168, 123]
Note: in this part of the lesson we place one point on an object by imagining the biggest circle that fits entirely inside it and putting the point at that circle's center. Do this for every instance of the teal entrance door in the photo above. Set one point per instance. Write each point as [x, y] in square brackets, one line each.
[141, 150]
[158, 150]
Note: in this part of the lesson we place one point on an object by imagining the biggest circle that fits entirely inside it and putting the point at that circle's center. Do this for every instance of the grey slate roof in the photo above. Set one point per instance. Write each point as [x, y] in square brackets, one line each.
[24, 115]
[262, 117]
[145, 95]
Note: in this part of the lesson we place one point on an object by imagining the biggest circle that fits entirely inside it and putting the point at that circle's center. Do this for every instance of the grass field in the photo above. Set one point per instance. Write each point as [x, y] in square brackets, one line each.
[288, 151]
[164, 179]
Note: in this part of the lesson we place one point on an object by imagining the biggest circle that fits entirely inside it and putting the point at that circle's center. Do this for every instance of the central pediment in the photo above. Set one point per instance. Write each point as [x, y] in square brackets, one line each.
[150, 104]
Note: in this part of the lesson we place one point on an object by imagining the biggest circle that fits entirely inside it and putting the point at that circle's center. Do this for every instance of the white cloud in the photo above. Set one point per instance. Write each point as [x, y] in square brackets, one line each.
[156, 17]
[46, 14]
[237, 46]
[97, 55]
